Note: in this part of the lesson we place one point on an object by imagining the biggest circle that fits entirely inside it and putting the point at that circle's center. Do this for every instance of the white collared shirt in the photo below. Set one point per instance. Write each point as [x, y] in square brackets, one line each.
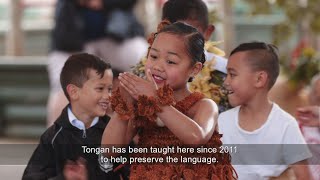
[77, 123]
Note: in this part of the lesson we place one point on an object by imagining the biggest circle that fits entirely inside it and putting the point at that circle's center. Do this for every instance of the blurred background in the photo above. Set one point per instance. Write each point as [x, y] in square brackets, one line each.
[25, 27]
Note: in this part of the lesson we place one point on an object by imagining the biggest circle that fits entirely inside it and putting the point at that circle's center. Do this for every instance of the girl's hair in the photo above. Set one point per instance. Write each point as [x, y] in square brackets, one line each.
[193, 40]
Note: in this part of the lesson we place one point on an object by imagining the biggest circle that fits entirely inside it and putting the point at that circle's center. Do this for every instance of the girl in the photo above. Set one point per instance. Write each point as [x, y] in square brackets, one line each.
[166, 113]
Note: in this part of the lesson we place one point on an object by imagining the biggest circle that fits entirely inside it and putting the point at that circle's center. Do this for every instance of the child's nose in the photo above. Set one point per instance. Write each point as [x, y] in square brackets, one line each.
[106, 95]
[226, 81]
[158, 67]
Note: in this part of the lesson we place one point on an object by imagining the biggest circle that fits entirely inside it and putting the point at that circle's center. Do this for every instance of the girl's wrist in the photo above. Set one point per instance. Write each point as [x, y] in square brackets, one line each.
[122, 109]
[165, 96]
[149, 106]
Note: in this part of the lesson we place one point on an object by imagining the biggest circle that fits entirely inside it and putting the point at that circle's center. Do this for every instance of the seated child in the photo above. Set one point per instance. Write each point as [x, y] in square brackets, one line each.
[87, 83]
[165, 111]
[252, 70]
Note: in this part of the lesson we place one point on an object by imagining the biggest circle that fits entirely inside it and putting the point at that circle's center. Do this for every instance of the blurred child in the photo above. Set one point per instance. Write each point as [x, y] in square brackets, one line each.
[169, 115]
[87, 83]
[252, 71]
[308, 117]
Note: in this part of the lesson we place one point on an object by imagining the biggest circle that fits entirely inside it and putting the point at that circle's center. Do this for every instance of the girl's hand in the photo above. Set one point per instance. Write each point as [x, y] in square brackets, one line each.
[126, 96]
[137, 86]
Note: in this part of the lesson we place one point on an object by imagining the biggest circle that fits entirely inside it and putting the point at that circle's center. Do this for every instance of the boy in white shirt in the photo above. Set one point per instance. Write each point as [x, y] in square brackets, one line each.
[252, 71]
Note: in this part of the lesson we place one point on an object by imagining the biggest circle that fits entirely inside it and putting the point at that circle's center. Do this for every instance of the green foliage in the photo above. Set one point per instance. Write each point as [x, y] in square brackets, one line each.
[294, 11]
[304, 63]
[306, 69]
[281, 32]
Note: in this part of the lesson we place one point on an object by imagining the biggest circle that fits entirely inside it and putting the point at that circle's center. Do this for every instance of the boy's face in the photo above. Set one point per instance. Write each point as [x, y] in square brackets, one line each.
[240, 81]
[169, 62]
[92, 98]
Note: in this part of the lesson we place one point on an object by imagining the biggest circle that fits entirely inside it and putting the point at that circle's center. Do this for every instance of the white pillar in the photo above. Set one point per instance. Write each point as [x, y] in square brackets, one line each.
[14, 34]
[149, 14]
[228, 26]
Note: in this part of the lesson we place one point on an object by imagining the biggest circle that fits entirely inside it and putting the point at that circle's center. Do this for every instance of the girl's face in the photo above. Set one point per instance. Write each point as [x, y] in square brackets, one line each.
[169, 62]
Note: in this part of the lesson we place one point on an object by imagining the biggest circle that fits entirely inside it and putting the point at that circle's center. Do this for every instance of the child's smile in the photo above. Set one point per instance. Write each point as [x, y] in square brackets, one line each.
[104, 105]
[158, 79]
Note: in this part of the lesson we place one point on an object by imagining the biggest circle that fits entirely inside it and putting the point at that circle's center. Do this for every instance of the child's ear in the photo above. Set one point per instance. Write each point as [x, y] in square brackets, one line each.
[73, 91]
[196, 69]
[261, 79]
[208, 32]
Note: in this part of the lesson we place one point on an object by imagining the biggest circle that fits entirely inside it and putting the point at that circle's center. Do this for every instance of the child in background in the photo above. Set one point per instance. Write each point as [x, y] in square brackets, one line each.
[167, 113]
[87, 83]
[252, 71]
[308, 117]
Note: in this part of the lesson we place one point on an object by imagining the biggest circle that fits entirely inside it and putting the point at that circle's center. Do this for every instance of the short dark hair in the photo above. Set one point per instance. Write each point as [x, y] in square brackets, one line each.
[262, 56]
[76, 70]
[177, 10]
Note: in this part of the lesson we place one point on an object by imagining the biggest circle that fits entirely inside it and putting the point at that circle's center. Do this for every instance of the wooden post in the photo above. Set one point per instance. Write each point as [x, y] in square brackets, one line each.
[149, 15]
[228, 26]
[14, 34]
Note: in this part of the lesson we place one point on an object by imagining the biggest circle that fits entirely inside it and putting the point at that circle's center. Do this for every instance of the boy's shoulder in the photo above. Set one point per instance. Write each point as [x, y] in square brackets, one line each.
[233, 112]
[55, 128]
[281, 115]
[227, 119]
[49, 134]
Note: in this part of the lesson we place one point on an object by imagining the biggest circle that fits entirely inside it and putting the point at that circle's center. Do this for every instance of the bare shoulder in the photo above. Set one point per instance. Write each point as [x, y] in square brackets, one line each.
[207, 103]
[204, 105]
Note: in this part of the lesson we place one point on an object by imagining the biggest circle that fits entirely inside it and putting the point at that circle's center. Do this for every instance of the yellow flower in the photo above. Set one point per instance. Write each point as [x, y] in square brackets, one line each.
[202, 83]
[210, 46]
[308, 52]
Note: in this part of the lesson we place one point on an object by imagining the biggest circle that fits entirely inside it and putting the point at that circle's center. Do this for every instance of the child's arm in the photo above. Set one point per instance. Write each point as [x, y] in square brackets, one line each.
[118, 132]
[42, 163]
[197, 130]
[301, 170]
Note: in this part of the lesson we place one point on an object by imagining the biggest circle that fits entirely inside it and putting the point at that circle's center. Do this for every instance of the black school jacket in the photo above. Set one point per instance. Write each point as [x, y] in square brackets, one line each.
[62, 142]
